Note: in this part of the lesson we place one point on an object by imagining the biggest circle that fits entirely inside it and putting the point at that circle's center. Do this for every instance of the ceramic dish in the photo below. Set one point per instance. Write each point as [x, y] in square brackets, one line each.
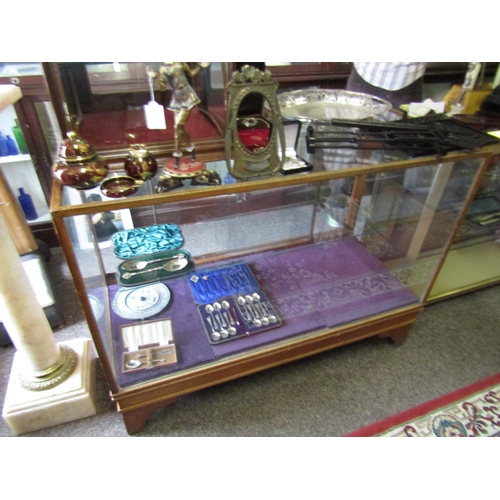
[120, 187]
[324, 105]
[97, 306]
[141, 302]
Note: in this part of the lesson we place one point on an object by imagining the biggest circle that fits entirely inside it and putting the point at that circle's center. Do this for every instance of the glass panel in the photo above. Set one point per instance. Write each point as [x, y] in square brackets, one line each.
[214, 98]
[49, 125]
[21, 69]
[217, 75]
[109, 98]
[482, 222]
[106, 78]
[474, 258]
[289, 63]
[412, 215]
[86, 245]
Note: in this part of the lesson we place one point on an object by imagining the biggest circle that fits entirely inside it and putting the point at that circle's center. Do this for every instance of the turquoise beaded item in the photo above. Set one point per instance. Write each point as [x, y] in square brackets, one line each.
[147, 240]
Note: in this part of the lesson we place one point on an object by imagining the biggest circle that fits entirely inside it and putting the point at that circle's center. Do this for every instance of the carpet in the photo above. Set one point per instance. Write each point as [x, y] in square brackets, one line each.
[472, 411]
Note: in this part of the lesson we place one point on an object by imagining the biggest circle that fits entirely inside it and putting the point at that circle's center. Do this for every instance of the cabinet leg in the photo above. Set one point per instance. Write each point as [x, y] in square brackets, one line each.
[136, 420]
[397, 336]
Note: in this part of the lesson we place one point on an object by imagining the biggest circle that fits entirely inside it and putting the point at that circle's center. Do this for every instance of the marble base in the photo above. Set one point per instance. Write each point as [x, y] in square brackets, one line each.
[27, 411]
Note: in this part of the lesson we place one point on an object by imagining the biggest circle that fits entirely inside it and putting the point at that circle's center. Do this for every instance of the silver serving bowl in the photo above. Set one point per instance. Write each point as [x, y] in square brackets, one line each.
[324, 105]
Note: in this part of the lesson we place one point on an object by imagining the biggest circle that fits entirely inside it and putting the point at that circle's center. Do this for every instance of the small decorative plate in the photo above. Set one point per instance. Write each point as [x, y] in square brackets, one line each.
[141, 302]
[324, 105]
[96, 305]
[120, 187]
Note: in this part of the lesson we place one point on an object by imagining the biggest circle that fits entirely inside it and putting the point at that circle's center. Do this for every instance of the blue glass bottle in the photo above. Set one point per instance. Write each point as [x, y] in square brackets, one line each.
[27, 205]
[4, 150]
[12, 146]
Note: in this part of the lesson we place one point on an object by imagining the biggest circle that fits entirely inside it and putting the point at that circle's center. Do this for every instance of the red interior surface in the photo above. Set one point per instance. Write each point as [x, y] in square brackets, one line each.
[112, 129]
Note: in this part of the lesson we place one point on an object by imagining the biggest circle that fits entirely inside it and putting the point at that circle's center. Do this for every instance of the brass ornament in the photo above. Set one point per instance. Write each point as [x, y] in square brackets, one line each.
[256, 154]
[207, 178]
[54, 375]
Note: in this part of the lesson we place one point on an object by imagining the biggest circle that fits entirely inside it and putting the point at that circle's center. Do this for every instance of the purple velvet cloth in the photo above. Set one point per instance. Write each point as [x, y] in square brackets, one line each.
[191, 342]
[339, 282]
[312, 288]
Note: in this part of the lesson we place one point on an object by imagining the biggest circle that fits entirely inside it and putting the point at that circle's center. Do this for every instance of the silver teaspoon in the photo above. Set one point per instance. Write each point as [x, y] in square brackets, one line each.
[218, 308]
[135, 363]
[224, 333]
[170, 265]
[258, 305]
[227, 306]
[257, 319]
[137, 265]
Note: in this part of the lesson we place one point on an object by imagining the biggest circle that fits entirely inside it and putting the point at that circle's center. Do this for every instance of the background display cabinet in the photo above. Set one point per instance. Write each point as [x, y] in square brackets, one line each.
[105, 100]
[32, 122]
[474, 258]
[204, 284]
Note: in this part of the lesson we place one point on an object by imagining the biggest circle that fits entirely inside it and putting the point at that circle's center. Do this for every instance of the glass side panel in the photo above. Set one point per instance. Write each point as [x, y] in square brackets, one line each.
[102, 77]
[413, 213]
[474, 257]
[85, 247]
[191, 282]
[50, 127]
[482, 222]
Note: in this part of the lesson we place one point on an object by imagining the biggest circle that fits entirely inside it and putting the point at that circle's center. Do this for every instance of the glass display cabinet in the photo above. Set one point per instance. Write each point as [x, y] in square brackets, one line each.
[105, 102]
[257, 273]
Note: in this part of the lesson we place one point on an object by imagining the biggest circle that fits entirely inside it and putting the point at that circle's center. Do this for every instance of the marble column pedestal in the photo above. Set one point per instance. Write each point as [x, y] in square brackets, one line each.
[50, 383]
[26, 411]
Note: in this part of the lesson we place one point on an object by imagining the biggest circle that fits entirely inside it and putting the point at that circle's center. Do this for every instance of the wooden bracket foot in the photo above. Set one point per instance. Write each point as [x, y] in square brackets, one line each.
[136, 420]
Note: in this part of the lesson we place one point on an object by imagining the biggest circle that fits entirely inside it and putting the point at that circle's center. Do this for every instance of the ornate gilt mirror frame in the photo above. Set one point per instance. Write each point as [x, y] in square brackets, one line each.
[242, 162]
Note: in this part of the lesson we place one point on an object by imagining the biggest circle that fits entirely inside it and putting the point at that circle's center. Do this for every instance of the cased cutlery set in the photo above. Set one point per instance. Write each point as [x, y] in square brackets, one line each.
[229, 300]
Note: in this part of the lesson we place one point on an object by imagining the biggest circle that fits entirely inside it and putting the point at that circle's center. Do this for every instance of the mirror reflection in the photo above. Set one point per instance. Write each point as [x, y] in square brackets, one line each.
[254, 130]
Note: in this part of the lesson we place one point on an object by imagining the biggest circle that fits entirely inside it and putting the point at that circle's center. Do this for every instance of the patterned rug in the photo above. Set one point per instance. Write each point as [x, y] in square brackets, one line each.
[473, 411]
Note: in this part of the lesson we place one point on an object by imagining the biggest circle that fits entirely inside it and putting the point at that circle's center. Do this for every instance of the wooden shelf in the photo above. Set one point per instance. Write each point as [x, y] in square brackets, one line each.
[14, 158]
